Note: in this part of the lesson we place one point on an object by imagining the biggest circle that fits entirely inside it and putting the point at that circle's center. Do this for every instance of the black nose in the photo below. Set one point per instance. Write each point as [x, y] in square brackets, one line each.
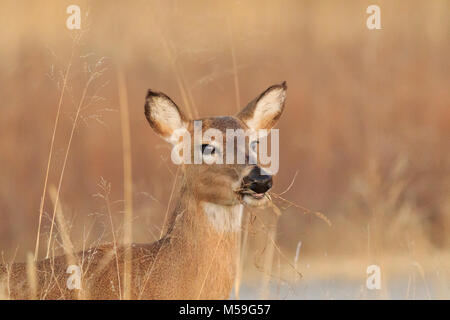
[258, 180]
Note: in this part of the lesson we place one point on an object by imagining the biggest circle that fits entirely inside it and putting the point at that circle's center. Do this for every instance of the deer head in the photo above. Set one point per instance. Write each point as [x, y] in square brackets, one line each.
[210, 172]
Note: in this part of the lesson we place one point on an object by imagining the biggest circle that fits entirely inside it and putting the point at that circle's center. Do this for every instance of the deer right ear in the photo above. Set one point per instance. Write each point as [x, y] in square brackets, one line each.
[265, 110]
[163, 115]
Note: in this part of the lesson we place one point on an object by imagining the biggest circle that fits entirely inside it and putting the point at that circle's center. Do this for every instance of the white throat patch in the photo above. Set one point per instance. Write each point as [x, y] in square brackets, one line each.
[224, 218]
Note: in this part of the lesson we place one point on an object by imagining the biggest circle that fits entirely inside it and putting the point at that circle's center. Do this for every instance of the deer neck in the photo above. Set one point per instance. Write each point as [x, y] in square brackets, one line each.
[204, 225]
[203, 242]
[201, 217]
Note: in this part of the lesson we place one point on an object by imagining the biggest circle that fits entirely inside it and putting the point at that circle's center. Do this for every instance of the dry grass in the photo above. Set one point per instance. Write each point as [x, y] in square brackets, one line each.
[364, 139]
[32, 277]
[128, 183]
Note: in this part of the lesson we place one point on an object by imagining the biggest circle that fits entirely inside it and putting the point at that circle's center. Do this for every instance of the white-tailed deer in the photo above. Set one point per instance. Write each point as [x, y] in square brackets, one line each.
[196, 257]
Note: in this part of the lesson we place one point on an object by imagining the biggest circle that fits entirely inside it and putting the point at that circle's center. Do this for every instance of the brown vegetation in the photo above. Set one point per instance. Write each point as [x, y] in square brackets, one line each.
[366, 125]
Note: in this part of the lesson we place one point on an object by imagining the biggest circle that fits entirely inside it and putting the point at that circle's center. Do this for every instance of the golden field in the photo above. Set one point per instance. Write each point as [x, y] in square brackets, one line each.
[364, 137]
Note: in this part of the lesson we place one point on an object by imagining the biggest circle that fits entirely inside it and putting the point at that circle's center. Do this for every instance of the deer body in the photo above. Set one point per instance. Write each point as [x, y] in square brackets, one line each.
[196, 257]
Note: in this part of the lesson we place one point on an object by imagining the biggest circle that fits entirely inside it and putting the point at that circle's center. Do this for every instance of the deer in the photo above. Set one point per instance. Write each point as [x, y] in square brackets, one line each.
[196, 257]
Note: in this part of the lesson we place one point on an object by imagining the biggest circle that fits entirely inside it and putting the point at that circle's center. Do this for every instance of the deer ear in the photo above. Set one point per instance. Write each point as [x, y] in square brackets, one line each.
[163, 115]
[265, 110]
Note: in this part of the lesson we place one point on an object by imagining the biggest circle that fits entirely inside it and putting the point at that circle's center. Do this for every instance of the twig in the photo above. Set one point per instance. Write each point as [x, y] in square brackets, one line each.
[320, 215]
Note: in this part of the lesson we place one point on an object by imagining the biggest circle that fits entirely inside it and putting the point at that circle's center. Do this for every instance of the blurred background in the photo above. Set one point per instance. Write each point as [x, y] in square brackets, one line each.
[364, 136]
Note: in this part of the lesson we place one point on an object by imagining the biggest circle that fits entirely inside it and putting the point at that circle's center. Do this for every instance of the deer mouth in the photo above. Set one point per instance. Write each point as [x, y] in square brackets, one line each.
[253, 194]
[252, 198]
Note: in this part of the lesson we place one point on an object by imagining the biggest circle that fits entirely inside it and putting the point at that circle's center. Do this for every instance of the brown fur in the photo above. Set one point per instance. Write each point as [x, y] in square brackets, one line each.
[191, 261]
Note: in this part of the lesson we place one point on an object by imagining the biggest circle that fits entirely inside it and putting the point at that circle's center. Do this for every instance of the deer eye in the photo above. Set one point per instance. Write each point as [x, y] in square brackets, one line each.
[254, 145]
[208, 149]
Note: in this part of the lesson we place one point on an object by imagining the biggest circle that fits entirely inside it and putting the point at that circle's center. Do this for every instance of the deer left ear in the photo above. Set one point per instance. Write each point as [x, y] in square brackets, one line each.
[265, 110]
[164, 116]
